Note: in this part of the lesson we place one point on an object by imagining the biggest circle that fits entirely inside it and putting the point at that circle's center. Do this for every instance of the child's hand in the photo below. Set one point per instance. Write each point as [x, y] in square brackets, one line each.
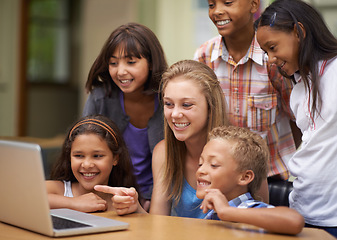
[124, 200]
[214, 199]
[89, 202]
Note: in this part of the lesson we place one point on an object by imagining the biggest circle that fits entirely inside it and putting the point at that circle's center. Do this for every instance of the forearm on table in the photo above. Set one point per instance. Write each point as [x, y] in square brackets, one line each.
[58, 201]
[278, 219]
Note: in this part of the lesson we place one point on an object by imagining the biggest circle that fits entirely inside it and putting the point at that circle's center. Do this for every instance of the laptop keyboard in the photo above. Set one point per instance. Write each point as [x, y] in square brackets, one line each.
[62, 223]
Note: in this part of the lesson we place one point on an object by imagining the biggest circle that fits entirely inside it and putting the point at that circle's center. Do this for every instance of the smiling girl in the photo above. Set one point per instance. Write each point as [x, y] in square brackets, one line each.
[296, 39]
[193, 105]
[93, 153]
[123, 83]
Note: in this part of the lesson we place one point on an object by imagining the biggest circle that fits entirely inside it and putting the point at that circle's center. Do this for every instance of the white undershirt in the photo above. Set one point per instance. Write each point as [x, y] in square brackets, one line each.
[67, 189]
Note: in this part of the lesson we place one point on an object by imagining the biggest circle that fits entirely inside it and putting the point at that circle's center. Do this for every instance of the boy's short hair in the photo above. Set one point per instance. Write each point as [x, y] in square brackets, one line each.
[250, 151]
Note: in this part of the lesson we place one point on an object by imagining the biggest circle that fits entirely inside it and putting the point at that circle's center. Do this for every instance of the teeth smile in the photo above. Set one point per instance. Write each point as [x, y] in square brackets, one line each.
[125, 81]
[89, 174]
[282, 64]
[222, 23]
[181, 125]
[203, 183]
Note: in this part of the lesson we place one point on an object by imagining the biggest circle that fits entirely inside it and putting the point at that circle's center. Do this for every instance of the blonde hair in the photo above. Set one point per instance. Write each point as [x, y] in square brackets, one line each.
[249, 150]
[176, 150]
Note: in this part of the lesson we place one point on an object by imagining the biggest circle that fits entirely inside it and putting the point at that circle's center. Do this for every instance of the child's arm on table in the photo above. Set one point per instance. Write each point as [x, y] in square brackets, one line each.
[89, 202]
[279, 219]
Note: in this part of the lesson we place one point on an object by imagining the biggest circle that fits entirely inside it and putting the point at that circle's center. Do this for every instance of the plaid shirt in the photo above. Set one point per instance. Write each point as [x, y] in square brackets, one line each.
[254, 101]
[243, 201]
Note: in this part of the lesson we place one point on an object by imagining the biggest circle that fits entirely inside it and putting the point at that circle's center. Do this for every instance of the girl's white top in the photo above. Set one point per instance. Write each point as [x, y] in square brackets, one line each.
[67, 189]
[315, 163]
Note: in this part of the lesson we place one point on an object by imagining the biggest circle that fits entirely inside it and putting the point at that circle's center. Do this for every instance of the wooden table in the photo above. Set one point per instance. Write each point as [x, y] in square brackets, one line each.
[148, 227]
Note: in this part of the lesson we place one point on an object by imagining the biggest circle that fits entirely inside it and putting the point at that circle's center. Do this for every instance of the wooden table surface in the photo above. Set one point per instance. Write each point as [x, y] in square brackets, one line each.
[147, 227]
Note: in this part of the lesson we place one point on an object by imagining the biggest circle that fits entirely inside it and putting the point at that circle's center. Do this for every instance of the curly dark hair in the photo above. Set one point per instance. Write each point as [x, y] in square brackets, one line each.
[121, 174]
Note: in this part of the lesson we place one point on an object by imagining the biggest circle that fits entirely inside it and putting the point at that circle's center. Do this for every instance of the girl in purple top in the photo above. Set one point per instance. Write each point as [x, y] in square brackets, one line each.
[123, 84]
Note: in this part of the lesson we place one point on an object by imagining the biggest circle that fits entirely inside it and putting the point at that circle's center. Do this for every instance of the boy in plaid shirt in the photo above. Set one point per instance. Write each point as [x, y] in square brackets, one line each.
[232, 167]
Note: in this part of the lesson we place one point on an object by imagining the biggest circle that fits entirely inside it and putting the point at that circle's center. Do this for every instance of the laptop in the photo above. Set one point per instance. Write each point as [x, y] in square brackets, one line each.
[24, 201]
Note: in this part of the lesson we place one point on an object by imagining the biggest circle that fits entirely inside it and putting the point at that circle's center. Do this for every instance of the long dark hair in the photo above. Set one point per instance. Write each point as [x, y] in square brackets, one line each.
[121, 174]
[316, 44]
[137, 41]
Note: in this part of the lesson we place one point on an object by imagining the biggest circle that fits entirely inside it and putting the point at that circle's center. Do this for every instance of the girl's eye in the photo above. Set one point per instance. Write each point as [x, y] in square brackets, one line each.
[187, 105]
[112, 63]
[228, 3]
[168, 104]
[131, 60]
[78, 156]
[98, 156]
[214, 165]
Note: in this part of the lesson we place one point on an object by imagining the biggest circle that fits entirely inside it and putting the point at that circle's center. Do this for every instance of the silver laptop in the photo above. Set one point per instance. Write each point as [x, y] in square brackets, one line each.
[24, 201]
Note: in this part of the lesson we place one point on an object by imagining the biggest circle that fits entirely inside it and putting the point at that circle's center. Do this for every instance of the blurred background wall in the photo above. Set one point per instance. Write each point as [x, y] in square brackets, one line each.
[48, 46]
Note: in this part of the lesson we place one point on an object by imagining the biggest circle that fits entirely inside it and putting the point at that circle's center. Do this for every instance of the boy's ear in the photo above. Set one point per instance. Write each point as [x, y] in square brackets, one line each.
[246, 177]
[255, 6]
